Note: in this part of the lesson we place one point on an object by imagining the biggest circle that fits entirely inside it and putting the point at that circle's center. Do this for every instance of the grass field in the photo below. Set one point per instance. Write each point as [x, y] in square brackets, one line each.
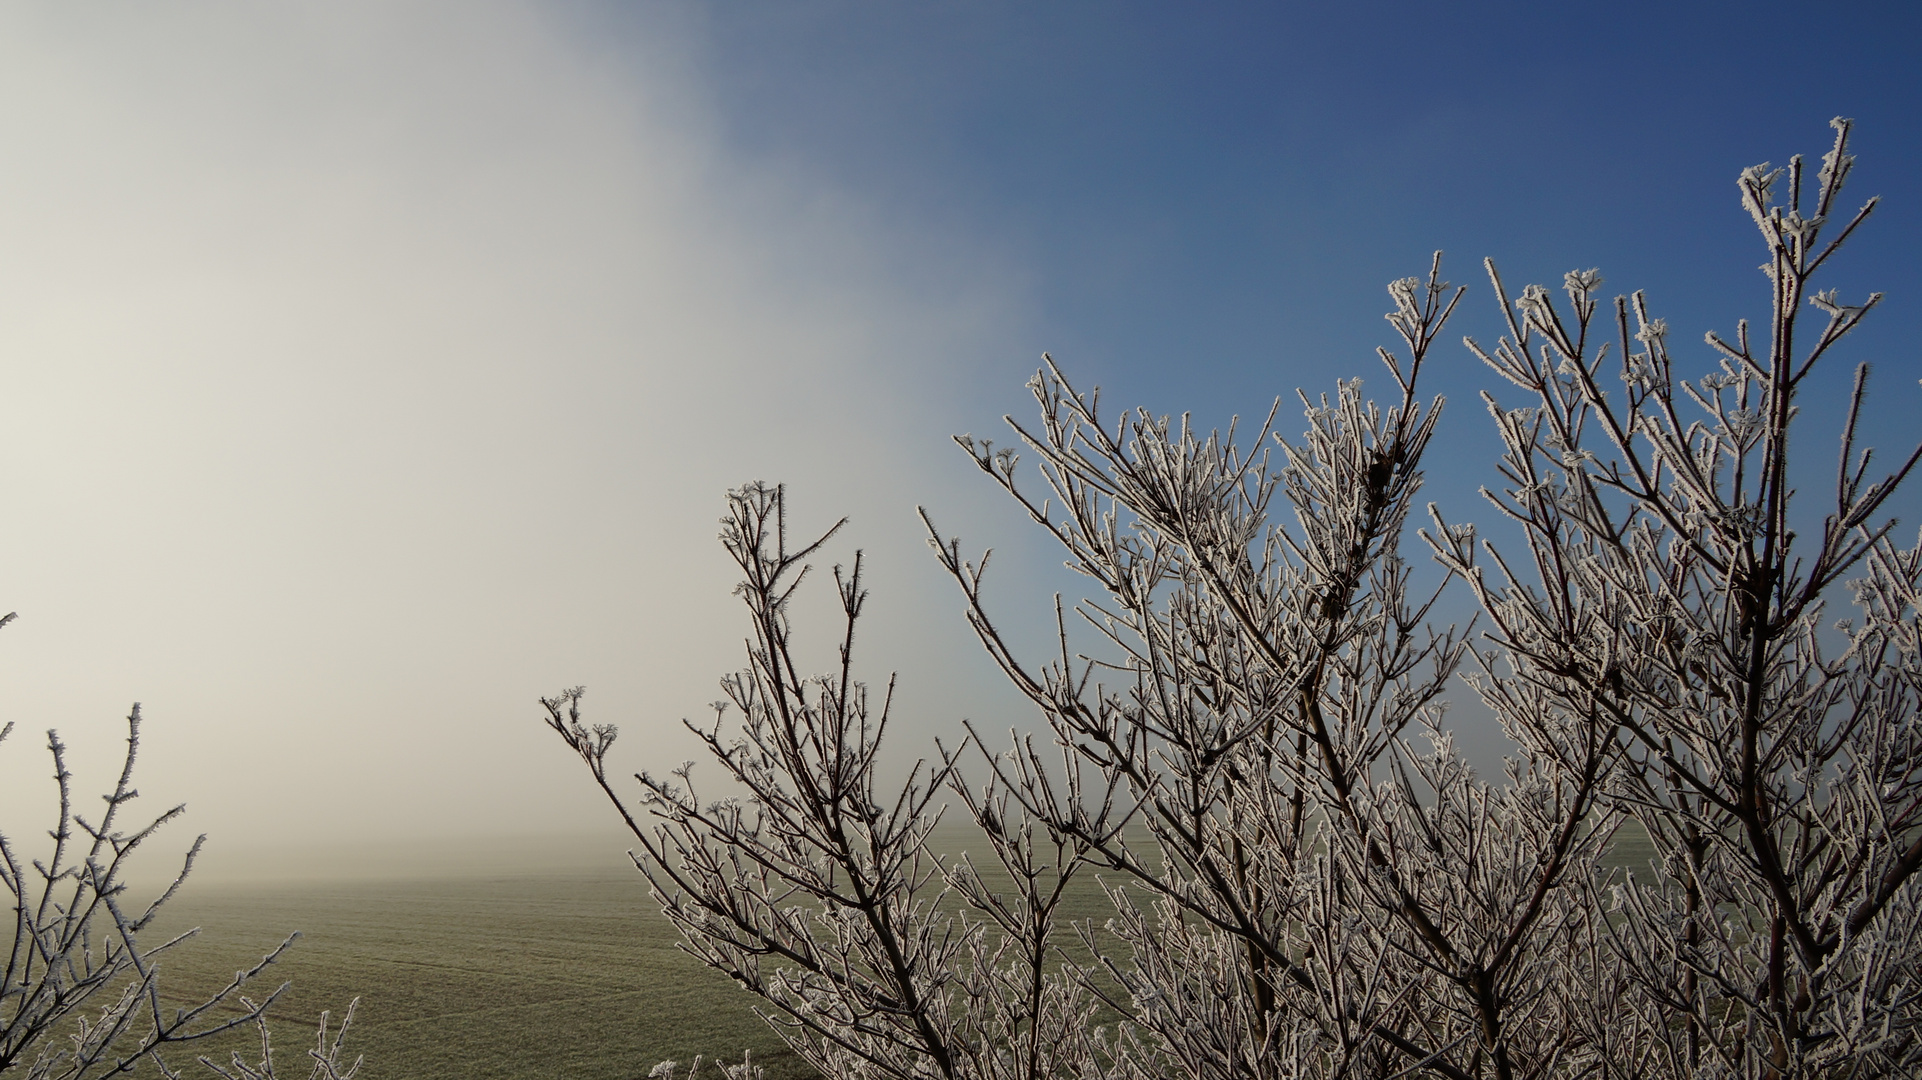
[502, 976]
[479, 971]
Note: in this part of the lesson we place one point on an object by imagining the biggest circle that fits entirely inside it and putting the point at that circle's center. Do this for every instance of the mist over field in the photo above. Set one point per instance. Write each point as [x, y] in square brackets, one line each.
[372, 370]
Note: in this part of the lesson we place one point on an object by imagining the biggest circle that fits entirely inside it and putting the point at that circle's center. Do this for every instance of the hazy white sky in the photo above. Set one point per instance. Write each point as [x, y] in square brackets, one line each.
[371, 370]
[368, 370]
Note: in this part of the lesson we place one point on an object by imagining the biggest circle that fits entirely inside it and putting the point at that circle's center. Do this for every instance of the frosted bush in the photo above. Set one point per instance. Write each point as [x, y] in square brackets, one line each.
[1307, 878]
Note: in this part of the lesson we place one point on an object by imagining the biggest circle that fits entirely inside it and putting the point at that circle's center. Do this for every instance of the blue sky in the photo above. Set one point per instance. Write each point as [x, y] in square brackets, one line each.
[372, 369]
[1205, 200]
[1201, 204]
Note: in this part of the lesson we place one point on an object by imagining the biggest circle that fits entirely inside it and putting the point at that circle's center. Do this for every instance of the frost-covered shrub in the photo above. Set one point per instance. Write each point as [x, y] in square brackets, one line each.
[80, 995]
[1307, 879]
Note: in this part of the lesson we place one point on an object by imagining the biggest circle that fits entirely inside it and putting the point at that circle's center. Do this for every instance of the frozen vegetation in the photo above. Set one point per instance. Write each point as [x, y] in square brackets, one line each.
[1303, 876]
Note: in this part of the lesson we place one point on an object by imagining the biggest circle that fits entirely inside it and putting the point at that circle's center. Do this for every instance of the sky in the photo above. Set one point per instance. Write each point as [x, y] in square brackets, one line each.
[368, 371]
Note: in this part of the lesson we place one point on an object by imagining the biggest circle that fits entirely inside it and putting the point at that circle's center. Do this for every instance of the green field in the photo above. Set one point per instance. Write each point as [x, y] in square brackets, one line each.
[466, 971]
[516, 975]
